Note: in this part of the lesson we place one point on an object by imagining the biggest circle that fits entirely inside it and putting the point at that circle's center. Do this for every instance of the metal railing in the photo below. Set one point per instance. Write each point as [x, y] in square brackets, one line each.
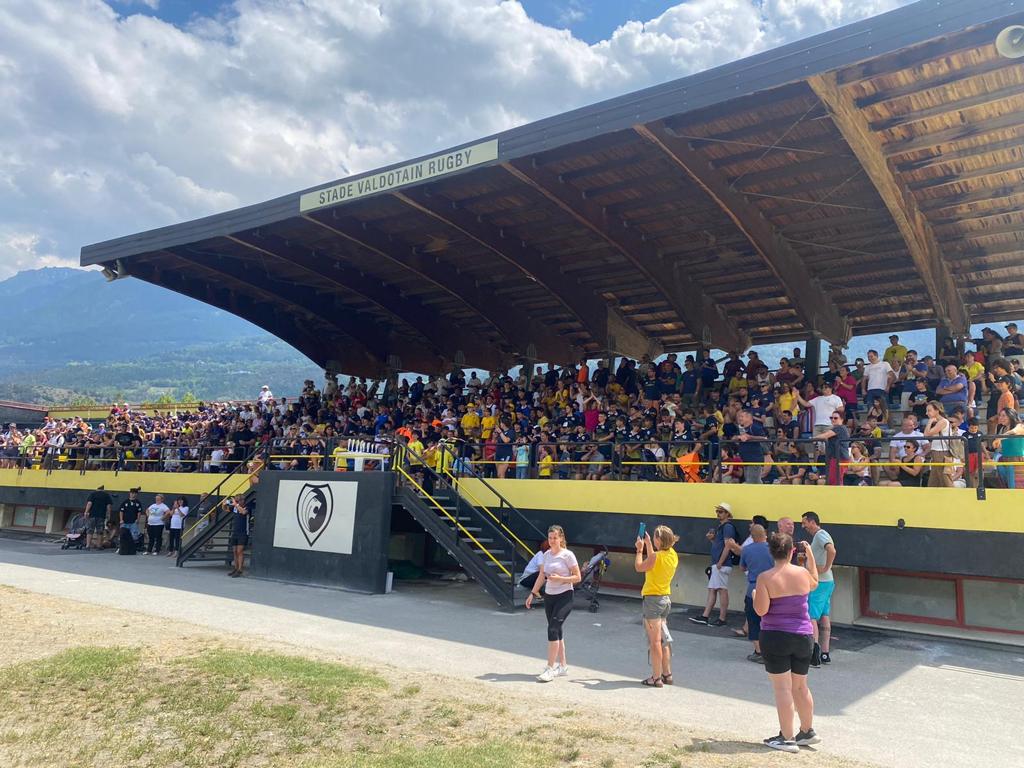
[82, 459]
[970, 458]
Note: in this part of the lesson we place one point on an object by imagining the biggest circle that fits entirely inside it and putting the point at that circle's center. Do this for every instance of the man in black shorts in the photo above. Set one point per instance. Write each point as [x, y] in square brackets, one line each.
[239, 534]
[97, 509]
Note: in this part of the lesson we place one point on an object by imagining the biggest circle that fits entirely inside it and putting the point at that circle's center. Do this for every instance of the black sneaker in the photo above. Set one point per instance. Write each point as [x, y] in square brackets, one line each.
[816, 656]
[717, 623]
[781, 743]
[807, 738]
[699, 620]
[826, 658]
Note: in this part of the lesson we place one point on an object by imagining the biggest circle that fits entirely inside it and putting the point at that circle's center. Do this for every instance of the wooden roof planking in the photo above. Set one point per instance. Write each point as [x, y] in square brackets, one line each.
[870, 178]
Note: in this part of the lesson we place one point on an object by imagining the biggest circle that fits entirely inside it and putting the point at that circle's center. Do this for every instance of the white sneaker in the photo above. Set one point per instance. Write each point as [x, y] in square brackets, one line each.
[561, 671]
[547, 675]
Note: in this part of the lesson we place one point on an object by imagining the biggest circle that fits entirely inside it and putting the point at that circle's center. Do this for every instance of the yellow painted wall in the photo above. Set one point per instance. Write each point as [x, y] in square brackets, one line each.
[943, 508]
[188, 484]
[89, 412]
[947, 508]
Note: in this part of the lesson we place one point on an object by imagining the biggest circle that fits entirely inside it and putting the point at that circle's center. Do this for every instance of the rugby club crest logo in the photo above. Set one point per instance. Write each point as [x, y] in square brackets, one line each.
[313, 510]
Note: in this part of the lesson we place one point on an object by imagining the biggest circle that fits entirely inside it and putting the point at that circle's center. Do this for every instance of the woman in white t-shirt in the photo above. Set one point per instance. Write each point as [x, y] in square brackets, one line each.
[559, 571]
[179, 511]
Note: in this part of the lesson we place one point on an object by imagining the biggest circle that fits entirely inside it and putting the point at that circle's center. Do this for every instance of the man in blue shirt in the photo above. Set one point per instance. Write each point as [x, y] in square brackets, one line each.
[724, 546]
[755, 559]
[690, 383]
[952, 389]
[750, 447]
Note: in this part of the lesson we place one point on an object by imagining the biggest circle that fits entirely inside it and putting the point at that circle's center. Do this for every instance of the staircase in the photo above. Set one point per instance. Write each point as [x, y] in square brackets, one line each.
[481, 538]
[206, 540]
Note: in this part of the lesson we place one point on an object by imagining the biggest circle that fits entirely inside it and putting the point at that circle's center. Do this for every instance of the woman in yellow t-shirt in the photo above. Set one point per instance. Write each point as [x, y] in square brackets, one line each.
[487, 425]
[658, 567]
[545, 463]
[786, 401]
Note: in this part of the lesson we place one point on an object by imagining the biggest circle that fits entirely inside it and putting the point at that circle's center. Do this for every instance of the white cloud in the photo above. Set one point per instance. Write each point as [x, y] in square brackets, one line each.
[571, 12]
[27, 250]
[117, 123]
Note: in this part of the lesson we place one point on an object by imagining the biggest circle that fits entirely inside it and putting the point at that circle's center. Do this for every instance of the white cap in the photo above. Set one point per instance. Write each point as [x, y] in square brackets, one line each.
[726, 506]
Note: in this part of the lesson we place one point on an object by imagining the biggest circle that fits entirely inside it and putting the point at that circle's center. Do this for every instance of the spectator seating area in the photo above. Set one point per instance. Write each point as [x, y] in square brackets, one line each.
[733, 419]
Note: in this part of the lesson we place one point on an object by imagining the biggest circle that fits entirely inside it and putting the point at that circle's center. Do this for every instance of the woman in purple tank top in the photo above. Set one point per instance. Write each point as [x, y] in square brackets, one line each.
[780, 599]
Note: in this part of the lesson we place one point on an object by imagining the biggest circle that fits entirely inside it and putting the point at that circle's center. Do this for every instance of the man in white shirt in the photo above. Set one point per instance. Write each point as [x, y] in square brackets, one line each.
[878, 378]
[908, 431]
[824, 406]
[217, 459]
[265, 394]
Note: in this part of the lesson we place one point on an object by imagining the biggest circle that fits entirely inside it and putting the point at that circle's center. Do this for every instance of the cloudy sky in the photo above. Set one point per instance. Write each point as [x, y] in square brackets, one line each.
[123, 116]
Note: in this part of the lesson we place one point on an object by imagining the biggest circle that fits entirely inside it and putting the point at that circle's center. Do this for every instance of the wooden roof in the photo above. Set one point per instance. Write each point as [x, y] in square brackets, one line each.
[867, 179]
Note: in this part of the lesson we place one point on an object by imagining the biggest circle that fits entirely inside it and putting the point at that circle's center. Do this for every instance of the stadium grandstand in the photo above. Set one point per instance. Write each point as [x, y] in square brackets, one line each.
[865, 180]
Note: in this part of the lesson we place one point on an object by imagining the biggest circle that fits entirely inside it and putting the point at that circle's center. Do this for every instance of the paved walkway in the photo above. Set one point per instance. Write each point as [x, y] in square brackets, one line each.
[907, 702]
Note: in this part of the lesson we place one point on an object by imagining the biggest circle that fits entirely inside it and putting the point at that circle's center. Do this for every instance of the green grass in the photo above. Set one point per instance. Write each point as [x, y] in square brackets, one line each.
[74, 667]
[230, 709]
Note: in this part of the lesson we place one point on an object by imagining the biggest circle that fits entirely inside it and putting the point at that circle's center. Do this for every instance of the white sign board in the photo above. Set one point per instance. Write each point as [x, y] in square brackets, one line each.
[431, 167]
[316, 517]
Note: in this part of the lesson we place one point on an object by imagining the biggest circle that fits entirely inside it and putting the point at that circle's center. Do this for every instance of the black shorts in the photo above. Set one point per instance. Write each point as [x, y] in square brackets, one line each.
[238, 540]
[786, 652]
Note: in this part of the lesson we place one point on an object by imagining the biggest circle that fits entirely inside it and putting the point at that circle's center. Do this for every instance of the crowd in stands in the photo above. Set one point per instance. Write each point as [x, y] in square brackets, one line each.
[894, 418]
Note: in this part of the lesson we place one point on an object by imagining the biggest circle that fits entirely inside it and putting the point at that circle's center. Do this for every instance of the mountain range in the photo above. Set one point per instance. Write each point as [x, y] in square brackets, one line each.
[68, 335]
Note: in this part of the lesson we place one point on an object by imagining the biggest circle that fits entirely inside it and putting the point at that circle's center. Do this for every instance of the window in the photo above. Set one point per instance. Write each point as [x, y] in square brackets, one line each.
[30, 517]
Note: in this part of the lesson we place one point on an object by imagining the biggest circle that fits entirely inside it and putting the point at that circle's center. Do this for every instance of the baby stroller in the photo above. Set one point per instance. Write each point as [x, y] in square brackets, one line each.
[75, 536]
[590, 583]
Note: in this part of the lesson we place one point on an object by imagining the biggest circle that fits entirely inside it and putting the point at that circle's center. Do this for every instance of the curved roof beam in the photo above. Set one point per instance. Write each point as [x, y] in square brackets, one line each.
[586, 306]
[445, 337]
[922, 244]
[704, 319]
[369, 348]
[813, 306]
[260, 314]
[524, 335]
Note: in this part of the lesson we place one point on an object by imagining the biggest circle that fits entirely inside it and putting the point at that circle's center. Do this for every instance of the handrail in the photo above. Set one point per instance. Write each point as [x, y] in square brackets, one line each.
[215, 491]
[494, 517]
[448, 514]
[503, 502]
[220, 503]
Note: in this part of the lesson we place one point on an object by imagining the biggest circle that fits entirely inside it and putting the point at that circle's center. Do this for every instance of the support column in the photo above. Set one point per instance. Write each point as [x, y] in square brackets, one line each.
[55, 520]
[812, 358]
[6, 515]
